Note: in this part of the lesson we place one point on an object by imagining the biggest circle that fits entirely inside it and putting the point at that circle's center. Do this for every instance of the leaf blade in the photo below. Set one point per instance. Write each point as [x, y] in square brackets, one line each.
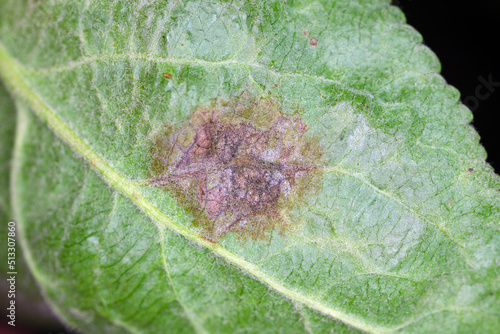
[372, 180]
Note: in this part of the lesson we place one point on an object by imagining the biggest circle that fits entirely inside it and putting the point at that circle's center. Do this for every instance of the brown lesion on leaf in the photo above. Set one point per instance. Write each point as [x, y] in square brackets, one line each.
[238, 166]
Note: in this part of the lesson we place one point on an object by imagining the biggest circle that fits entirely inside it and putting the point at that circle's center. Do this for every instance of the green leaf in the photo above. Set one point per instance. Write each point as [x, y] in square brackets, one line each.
[7, 128]
[402, 237]
[27, 294]
[25, 283]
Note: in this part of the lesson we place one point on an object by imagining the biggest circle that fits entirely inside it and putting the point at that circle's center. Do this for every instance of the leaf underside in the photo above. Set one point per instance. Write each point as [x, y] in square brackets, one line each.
[403, 236]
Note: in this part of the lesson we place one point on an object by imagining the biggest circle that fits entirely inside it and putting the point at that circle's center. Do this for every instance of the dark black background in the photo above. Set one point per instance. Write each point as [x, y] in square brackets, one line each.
[465, 36]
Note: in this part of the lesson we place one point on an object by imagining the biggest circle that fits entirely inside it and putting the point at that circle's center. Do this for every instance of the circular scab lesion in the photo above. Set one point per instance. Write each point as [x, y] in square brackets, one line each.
[238, 166]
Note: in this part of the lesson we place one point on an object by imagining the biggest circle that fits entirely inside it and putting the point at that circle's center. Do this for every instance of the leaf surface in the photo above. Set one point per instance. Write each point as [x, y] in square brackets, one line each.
[7, 128]
[402, 237]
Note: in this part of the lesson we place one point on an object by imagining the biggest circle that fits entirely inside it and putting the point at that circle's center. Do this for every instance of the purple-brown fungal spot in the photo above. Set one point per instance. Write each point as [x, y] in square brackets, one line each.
[239, 166]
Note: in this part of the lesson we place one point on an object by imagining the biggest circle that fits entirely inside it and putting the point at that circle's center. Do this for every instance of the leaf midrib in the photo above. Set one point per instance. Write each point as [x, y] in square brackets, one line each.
[10, 72]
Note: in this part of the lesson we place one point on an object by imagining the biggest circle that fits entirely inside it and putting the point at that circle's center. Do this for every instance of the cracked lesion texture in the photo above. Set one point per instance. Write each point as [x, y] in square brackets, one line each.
[239, 166]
